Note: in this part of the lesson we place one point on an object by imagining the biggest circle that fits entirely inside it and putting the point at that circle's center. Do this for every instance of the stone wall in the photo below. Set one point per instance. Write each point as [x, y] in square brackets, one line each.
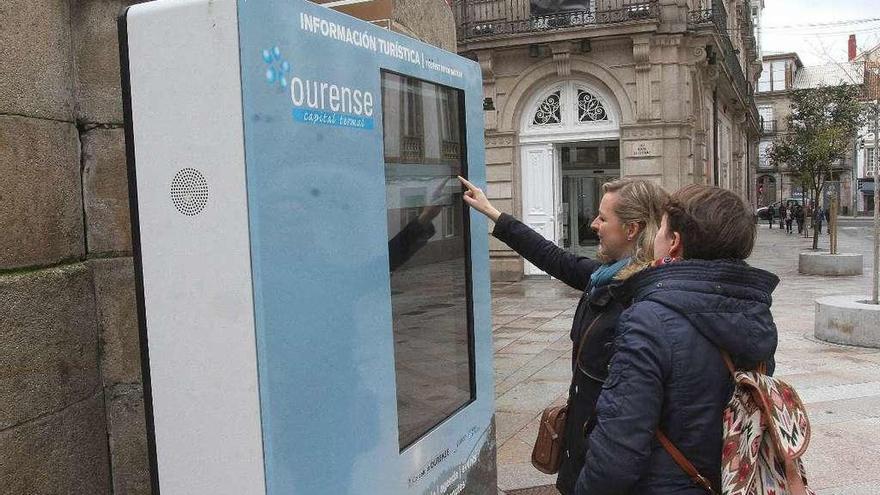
[428, 20]
[72, 417]
[71, 400]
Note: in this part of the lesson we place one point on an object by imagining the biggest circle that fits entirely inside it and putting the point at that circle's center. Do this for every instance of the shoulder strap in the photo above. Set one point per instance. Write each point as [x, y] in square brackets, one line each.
[684, 463]
[577, 358]
[680, 458]
[761, 368]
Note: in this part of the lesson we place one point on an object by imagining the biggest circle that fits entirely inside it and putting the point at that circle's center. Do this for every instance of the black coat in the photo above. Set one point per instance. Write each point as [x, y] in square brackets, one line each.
[668, 372]
[597, 311]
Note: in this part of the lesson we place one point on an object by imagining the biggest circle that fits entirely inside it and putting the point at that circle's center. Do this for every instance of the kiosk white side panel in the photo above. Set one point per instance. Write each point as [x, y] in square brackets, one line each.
[194, 245]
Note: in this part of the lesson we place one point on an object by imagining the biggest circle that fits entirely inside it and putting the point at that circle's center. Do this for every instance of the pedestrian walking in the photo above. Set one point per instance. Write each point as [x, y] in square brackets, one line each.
[818, 217]
[789, 218]
[828, 219]
[770, 215]
[627, 223]
[668, 374]
[782, 212]
[799, 217]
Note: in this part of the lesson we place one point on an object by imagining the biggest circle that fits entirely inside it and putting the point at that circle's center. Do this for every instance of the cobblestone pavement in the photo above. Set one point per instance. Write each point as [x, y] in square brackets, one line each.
[840, 385]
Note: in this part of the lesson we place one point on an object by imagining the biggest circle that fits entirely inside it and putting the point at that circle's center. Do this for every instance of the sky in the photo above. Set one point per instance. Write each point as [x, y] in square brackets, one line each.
[805, 27]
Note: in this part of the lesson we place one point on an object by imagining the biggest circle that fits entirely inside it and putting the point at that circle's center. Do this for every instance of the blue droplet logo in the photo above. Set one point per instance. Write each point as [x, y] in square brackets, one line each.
[277, 69]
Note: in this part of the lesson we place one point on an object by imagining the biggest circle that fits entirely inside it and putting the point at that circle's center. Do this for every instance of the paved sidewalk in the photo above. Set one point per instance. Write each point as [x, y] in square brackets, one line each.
[840, 385]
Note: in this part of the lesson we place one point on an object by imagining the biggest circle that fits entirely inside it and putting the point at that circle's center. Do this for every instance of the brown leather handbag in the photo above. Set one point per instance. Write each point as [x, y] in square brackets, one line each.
[547, 452]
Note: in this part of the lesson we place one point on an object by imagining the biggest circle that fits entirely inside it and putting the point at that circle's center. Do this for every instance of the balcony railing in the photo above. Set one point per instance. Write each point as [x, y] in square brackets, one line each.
[768, 126]
[484, 18]
[715, 18]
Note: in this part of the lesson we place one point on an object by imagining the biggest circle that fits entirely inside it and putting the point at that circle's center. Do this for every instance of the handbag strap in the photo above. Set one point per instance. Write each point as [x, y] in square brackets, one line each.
[761, 368]
[684, 463]
[577, 358]
[677, 455]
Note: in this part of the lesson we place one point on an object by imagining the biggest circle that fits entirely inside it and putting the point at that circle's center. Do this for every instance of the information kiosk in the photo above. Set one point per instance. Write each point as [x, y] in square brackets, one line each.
[313, 294]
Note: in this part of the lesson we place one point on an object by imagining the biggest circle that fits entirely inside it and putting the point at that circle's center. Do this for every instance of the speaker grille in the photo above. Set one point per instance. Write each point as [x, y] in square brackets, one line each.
[189, 191]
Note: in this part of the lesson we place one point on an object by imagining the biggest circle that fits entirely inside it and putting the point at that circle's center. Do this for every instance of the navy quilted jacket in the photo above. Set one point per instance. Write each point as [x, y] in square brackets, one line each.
[667, 372]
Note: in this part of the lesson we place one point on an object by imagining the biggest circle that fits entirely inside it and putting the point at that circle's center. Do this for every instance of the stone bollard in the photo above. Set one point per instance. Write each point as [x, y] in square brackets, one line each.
[848, 320]
[818, 263]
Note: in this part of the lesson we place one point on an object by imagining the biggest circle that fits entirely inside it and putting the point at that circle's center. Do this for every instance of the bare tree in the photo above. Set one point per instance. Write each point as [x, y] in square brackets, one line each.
[821, 126]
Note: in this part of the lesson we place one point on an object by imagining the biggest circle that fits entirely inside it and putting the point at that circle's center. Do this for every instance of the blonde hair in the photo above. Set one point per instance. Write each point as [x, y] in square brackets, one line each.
[641, 202]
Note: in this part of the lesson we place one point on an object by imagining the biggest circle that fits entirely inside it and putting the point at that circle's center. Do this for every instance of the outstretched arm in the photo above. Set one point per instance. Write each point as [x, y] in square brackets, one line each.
[567, 267]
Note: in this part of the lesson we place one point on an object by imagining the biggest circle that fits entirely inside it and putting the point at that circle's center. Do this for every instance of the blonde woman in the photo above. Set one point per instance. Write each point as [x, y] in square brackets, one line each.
[628, 220]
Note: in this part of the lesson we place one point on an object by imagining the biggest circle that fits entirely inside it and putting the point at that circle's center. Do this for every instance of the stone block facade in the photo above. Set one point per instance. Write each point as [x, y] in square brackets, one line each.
[52, 424]
[71, 418]
[428, 20]
[105, 191]
[36, 59]
[41, 210]
[71, 398]
[672, 108]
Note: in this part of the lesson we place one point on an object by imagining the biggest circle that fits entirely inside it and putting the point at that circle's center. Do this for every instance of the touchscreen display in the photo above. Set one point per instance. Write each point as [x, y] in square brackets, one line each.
[428, 247]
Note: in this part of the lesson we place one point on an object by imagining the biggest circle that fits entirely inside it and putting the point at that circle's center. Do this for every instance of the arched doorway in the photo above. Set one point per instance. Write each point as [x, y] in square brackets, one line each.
[569, 146]
[766, 190]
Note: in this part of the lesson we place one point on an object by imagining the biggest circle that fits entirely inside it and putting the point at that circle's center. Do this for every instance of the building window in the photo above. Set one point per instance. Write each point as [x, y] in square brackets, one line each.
[590, 109]
[763, 158]
[869, 162]
[778, 75]
[772, 76]
[764, 80]
[767, 122]
[549, 111]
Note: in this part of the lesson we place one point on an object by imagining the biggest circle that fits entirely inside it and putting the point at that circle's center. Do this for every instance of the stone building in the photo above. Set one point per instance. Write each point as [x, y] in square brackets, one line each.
[866, 167]
[782, 74]
[71, 405]
[575, 96]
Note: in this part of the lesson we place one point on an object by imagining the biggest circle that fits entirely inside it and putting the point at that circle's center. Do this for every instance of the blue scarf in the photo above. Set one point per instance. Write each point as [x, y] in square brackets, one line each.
[606, 272]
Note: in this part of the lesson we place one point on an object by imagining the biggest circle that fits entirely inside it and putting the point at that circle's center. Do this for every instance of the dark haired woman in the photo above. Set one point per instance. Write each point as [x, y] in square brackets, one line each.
[667, 372]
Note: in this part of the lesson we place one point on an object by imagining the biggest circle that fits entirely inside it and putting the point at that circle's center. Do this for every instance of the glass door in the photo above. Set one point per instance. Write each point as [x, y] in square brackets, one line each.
[580, 202]
[584, 167]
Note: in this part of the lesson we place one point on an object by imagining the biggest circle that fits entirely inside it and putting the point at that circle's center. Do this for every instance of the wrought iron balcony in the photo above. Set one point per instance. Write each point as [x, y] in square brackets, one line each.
[715, 18]
[701, 16]
[768, 127]
[476, 19]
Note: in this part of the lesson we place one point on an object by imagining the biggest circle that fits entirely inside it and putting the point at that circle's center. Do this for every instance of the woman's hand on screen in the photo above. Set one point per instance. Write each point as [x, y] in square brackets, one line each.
[476, 199]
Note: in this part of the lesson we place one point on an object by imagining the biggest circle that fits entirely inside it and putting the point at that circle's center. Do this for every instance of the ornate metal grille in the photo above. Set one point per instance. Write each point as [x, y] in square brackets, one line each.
[590, 109]
[549, 111]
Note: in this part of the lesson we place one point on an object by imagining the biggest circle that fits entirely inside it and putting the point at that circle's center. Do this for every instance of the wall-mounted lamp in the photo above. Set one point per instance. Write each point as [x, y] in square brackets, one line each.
[534, 51]
[585, 46]
[488, 104]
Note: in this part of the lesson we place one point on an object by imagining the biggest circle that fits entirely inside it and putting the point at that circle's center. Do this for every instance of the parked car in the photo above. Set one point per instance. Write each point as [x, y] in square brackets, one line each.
[762, 212]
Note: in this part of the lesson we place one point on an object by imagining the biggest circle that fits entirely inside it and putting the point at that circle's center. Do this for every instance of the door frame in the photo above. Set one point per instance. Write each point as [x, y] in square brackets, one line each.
[568, 130]
[605, 176]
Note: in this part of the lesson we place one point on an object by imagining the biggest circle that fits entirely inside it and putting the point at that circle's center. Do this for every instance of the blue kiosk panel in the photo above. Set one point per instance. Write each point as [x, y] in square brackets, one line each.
[315, 313]
[351, 133]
